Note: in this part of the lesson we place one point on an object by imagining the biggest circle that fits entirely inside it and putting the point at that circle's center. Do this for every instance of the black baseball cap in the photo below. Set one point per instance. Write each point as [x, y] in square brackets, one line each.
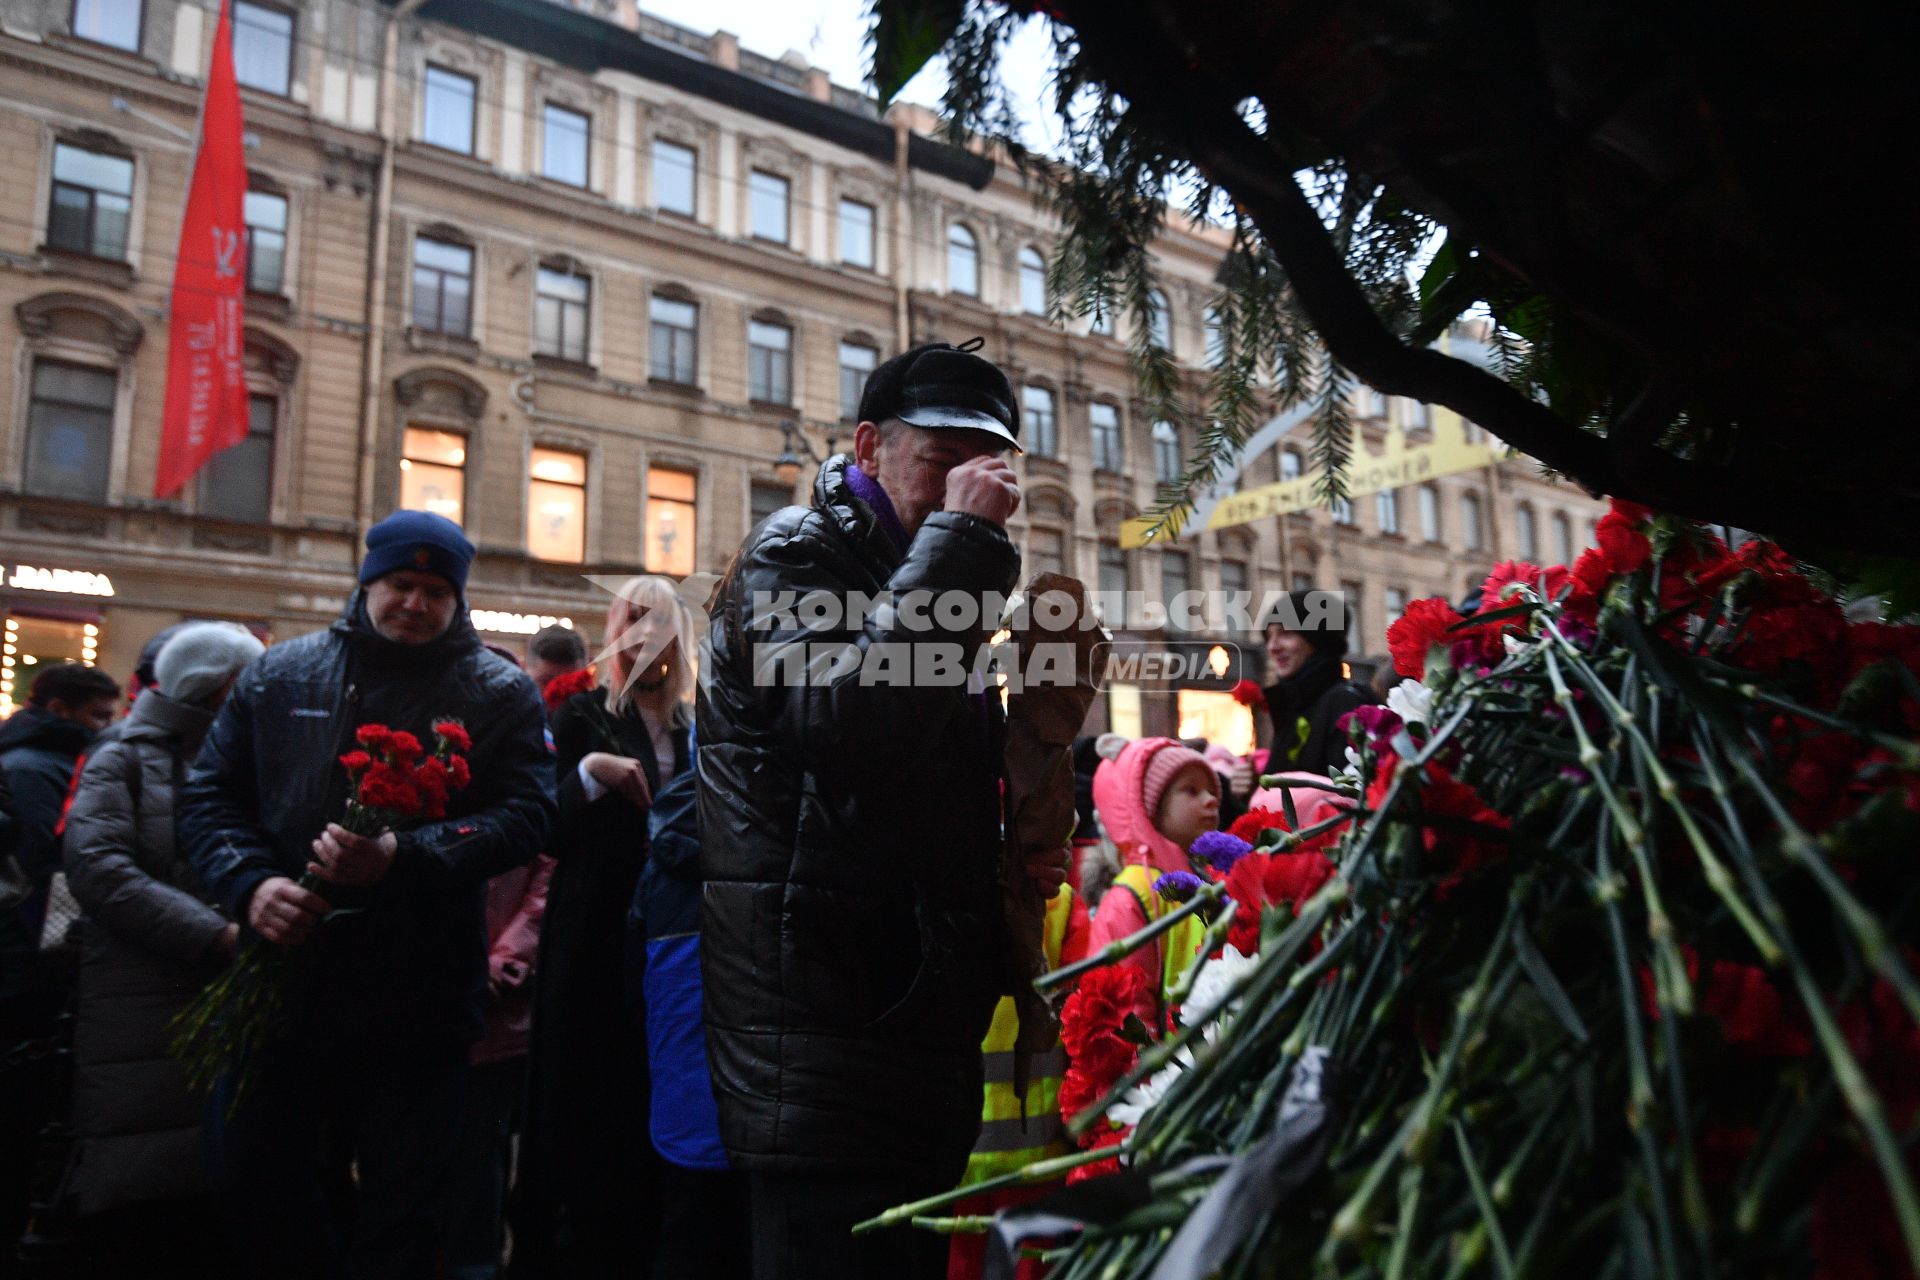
[941, 385]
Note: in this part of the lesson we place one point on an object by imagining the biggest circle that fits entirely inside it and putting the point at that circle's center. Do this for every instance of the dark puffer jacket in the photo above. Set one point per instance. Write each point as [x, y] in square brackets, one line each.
[151, 942]
[849, 843]
[409, 967]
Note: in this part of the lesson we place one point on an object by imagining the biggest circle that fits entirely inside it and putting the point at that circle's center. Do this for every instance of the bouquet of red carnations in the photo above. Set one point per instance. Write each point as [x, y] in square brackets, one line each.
[392, 779]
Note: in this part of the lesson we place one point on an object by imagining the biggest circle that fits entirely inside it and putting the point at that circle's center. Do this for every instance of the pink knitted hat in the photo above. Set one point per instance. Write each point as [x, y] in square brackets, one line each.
[1167, 762]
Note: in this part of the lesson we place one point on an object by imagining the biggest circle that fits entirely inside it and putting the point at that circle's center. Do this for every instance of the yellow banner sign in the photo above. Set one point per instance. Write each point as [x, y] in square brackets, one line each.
[1445, 452]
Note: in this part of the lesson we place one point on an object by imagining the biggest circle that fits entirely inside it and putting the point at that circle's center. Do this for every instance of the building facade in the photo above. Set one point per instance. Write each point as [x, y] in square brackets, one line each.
[578, 280]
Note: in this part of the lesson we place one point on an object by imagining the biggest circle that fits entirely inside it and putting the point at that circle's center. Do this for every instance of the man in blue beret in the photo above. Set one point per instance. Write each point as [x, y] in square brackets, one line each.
[390, 958]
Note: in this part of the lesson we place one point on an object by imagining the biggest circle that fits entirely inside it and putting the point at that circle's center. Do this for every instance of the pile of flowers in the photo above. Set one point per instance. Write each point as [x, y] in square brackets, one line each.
[1610, 971]
[392, 780]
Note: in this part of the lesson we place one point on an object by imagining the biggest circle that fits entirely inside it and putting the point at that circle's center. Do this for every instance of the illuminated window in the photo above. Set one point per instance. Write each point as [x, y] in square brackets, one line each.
[856, 234]
[69, 431]
[433, 473]
[237, 483]
[670, 521]
[963, 261]
[565, 139]
[92, 202]
[857, 362]
[1033, 282]
[33, 644]
[1038, 423]
[674, 170]
[767, 206]
[557, 505]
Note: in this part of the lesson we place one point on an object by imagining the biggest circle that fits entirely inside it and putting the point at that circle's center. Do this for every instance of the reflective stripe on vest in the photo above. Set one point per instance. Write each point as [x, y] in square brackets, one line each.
[1007, 1142]
[1180, 944]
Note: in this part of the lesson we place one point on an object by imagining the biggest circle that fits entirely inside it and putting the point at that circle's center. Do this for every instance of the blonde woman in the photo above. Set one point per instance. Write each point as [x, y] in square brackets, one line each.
[589, 1173]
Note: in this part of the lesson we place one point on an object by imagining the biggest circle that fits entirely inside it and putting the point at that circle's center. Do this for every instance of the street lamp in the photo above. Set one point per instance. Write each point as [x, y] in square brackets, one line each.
[796, 451]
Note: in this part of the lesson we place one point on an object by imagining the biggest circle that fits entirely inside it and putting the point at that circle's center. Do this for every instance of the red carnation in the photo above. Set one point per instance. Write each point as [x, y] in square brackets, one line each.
[355, 761]
[429, 779]
[404, 748]
[1102, 1138]
[1248, 694]
[560, 688]
[1494, 592]
[454, 734]
[1423, 626]
[374, 737]
[1260, 880]
[1457, 854]
[458, 775]
[1090, 1031]
[385, 787]
[1254, 823]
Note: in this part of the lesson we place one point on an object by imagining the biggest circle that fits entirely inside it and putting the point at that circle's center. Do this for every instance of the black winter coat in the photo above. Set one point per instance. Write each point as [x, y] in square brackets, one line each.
[850, 837]
[409, 968]
[1317, 697]
[38, 751]
[150, 943]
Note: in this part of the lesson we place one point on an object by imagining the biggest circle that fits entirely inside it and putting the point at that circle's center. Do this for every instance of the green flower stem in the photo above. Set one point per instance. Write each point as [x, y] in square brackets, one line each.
[1489, 1217]
[1119, 949]
[1026, 1176]
[971, 1225]
[1215, 936]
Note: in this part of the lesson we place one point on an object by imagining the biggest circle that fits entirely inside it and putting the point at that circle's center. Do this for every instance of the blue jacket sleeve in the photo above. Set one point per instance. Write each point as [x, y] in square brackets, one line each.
[218, 804]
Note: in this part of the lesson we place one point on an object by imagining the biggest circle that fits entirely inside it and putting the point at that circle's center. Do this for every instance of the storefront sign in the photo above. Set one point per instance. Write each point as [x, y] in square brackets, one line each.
[515, 624]
[73, 582]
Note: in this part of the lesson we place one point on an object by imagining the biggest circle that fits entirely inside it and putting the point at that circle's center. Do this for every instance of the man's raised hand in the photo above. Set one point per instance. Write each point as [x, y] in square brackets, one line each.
[984, 487]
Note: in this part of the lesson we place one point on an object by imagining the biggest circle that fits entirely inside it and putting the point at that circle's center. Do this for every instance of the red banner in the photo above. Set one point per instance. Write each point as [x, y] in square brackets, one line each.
[206, 407]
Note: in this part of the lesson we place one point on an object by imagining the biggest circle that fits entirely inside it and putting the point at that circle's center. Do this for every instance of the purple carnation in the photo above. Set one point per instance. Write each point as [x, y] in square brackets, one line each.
[1177, 886]
[1220, 850]
[1375, 722]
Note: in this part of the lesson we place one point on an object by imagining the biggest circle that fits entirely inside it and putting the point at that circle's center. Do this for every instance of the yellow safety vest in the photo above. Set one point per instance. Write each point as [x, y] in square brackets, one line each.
[1178, 945]
[1007, 1140]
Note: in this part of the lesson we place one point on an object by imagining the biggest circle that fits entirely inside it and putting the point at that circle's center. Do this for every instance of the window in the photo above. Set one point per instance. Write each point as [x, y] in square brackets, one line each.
[1291, 464]
[1159, 321]
[1528, 531]
[1040, 426]
[1562, 538]
[557, 505]
[433, 472]
[262, 47]
[70, 431]
[1216, 337]
[565, 136]
[114, 22]
[560, 314]
[1470, 532]
[1033, 282]
[674, 337]
[767, 206]
[92, 202]
[1376, 405]
[963, 261]
[1415, 415]
[1167, 460]
[1342, 511]
[1106, 437]
[1233, 582]
[764, 499]
[442, 287]
[1113, 576]
[670, 521]
[1386, 510]
[674, 169]
[1394, 600]
[1175, 581]
[856, 234]
[1350, 602]
[857, 361]
[266, 215]
[1046, 552]
[1429, 513]
[237, 483]
[448, 118]
[769, 362]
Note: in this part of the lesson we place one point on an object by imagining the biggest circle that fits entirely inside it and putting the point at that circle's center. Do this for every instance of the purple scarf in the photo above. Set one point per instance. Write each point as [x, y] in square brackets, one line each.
[868, 490]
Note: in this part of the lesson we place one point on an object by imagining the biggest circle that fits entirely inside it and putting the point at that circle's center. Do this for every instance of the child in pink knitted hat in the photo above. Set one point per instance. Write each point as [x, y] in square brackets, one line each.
[1154, 799]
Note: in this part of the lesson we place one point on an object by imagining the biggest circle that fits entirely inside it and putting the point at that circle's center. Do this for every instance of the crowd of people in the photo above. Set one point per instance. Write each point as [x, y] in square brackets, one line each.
[699, 970]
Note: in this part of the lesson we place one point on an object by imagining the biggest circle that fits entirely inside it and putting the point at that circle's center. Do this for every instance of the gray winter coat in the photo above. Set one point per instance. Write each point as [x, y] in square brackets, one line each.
[151, 942]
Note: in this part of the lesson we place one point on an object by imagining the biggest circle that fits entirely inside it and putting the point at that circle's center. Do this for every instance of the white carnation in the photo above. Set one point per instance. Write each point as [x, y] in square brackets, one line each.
[1412, 702]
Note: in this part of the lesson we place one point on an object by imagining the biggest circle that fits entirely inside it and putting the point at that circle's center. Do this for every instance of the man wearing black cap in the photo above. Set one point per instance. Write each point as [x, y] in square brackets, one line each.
[850, 828]
[386, 993]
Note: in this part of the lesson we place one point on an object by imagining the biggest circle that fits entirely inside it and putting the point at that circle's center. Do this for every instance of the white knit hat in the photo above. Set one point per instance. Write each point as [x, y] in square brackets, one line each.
[199, 660]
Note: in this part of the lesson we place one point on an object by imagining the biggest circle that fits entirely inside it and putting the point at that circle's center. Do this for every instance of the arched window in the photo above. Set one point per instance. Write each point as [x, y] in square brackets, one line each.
[1166, 452]
[1033, 282]
[963, 261]
[1529, 533]
[1159, 321]
[1291, 464]
[1562, 538]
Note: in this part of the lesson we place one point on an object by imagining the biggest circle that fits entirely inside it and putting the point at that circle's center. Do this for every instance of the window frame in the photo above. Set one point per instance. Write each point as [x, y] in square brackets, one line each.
[1160, 320]
[139, 27]
[777, 358]
[1526, 533]
[850, 409]
[413, 309]
[547, 109]
[210, 482]
[754, 194]
[408, 460]
[1167, 463]
[692, 210]
[109, 412]
[1563, 538]
[91, 248]
[1386, 511]
[1473, 533]
[1040, 442]
[970, 247]
[427, 76]
[279, 288]
[655, 324]
[293, 44]
[569, 271]
[1431, 527]
[692, 507]
[1031, 272]
[1298, 461]
[841, 225]
[1114, 431]
[535, 448]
